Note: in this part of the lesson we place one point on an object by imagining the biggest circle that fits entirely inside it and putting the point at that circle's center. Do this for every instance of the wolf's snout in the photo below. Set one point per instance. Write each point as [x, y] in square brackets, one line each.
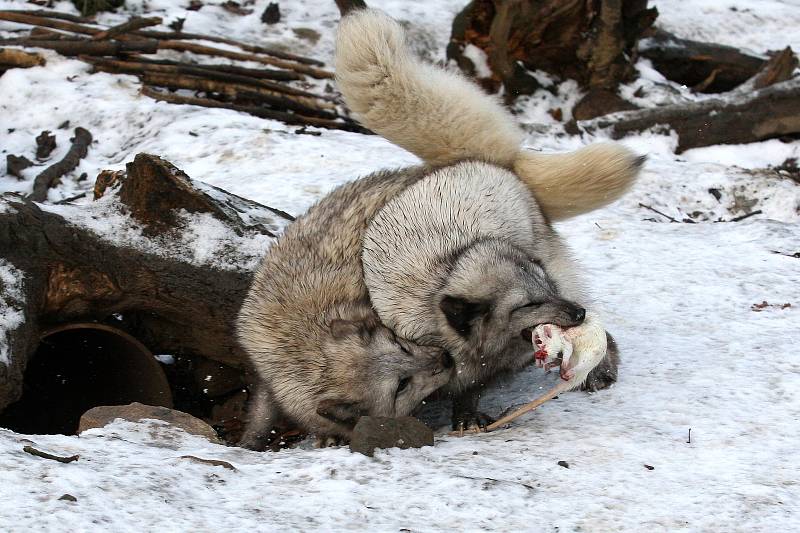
[578, 314]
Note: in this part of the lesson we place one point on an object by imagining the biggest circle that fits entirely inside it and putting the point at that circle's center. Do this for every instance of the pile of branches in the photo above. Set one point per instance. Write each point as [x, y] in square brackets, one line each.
[129, 48]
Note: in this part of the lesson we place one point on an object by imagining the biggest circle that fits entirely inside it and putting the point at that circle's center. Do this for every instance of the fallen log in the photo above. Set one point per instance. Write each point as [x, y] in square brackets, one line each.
[153, 34]
[135, 23]
[11, 58]
[734, 119]
[261, 112]
[88, 48]
[48, 177]
[706, 67]
[201, 49]
[136, 258]
[116, 66]
[303, 105]
[258, 73]
[303, 67]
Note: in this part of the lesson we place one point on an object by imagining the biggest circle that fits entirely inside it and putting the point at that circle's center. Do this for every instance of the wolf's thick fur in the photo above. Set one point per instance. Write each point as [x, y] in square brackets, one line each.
[443, 118]
[320, 354]
[465, 260]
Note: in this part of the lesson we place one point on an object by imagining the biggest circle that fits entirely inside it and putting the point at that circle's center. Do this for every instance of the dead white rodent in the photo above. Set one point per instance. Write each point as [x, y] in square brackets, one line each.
[580, 348]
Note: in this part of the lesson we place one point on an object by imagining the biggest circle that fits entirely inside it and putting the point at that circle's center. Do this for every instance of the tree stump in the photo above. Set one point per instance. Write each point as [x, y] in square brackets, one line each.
[591, 41]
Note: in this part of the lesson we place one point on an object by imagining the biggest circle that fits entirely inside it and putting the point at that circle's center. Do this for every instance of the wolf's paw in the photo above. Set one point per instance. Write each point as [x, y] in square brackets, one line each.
[471, 422]
[329, 441]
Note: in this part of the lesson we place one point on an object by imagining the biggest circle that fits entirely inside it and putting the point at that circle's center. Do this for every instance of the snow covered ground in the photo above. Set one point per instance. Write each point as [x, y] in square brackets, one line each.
[681, 299]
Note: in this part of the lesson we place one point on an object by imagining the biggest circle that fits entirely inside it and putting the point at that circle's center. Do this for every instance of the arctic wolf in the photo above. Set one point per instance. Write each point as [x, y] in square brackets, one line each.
[466, 259]
[320, 355]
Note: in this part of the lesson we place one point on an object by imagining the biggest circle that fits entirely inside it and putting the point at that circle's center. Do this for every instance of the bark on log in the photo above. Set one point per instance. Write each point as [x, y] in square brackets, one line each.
[132, 253]
[737, 118]
[593, 42]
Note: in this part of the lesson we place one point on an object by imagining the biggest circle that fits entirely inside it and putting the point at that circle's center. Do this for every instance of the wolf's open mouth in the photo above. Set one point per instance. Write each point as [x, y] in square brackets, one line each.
[527, 334]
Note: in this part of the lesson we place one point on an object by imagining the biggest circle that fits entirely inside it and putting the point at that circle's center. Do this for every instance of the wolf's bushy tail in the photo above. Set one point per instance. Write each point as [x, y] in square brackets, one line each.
[443, 118]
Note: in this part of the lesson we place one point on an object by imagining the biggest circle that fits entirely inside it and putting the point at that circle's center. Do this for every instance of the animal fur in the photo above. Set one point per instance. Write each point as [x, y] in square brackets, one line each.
[320, 354]
[464, 259]
[443, 118]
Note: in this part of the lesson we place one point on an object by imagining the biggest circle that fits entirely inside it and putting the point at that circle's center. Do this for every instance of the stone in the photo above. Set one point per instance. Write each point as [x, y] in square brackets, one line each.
[381, 432]
[103, 415]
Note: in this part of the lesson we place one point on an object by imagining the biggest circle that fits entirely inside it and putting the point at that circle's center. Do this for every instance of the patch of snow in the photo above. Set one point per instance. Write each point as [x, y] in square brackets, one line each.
[479, 61]
[12, 298]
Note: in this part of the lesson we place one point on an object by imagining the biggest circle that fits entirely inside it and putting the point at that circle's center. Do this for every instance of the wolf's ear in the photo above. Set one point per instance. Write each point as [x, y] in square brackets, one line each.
[340, 411]
[341, 328]
[460, 313]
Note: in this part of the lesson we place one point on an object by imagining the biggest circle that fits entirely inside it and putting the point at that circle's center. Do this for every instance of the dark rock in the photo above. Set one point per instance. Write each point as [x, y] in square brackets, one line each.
[381, 432]
[69, 498]
[564, 464]
[649, 467]
[45, 144]
[272, 14]
[15, 164]
[101, 416]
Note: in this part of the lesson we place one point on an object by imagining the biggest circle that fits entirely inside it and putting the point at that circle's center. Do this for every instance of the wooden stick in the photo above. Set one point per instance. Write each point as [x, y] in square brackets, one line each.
[44, 455]
[288, 118]
[561, 387]
[89, 48]
[135, 23]
[48, 177]
[194, 48]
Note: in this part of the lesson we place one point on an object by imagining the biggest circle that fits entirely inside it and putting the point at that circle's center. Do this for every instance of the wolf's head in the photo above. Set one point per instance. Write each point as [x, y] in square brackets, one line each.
[370, 371]
[493, 298]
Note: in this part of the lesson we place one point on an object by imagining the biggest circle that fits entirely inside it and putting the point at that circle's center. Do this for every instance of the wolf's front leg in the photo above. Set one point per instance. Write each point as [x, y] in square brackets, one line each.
[605, 373]
[465, 411]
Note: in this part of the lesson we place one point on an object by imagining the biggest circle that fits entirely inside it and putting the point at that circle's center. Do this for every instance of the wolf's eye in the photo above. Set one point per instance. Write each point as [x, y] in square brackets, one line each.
[403, 385]
[528, 305]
